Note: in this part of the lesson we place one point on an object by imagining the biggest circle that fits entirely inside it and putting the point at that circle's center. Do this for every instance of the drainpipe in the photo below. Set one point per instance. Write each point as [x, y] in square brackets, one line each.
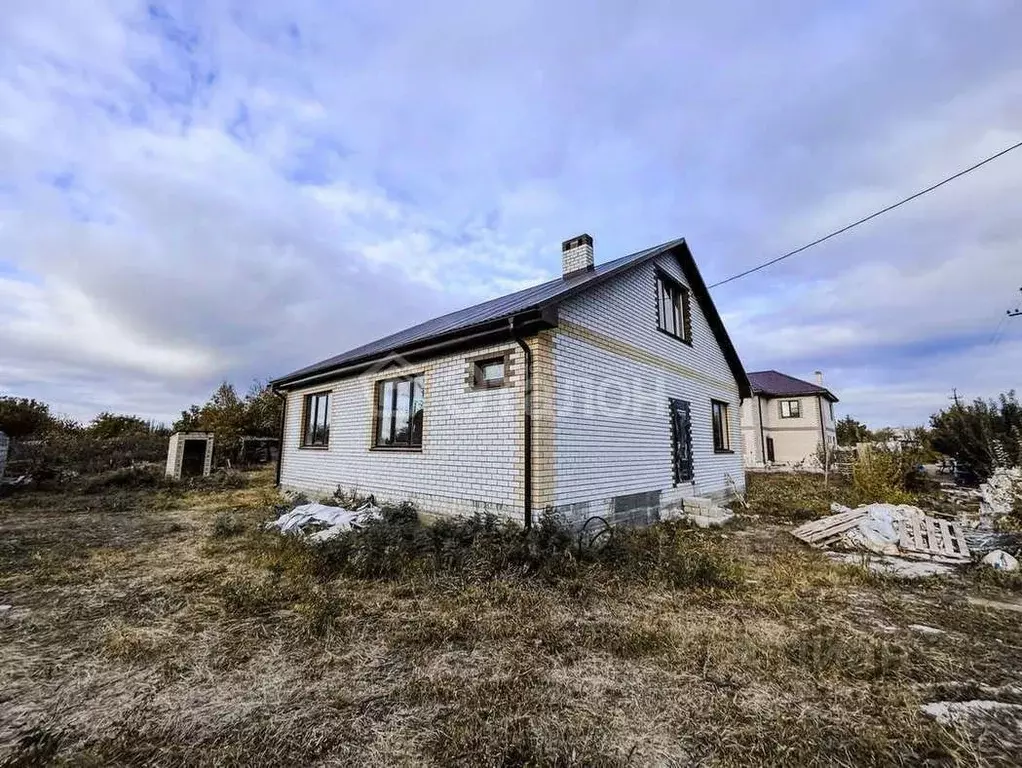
[762, 438]
[526, 425]
[823, 431]
[280, 441]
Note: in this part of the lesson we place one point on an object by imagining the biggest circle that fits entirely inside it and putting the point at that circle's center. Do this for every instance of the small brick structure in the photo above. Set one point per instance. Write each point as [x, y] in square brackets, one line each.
[190, 454]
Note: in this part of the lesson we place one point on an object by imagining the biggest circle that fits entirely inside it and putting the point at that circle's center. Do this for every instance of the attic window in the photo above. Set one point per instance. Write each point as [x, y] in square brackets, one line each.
[674, 315]
[489, 372]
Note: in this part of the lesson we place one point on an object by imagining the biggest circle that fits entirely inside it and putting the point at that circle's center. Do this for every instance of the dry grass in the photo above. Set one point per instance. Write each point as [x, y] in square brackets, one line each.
[155, 627]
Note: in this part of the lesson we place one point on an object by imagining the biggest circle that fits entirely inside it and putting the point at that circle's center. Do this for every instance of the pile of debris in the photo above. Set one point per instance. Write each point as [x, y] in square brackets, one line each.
[321, 522]
[903, 537]
[999, 495]
[888, 529]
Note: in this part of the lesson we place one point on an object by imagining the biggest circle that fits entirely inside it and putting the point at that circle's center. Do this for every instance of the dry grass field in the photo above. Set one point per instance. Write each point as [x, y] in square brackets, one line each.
[162, 626]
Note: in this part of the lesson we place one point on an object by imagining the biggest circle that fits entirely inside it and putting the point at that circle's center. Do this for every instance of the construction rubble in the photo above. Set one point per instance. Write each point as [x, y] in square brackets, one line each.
[896, 530]
[321, 522]
[998, 495]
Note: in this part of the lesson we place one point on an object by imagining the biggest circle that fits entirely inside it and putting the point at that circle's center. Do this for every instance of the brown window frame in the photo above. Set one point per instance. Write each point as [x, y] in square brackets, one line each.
[478, 364]
[796, 414]
[311, 401]
[414, 441]
[670, 290]
[721, 432]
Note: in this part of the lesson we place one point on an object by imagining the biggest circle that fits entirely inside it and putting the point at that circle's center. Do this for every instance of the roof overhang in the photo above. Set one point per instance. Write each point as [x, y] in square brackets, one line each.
[526, 323]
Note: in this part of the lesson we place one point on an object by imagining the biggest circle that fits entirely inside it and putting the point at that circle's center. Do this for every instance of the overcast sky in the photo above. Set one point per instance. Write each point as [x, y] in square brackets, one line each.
[193, 191]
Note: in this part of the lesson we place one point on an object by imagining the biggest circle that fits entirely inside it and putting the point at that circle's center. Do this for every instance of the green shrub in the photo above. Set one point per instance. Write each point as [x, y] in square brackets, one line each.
[881, 475]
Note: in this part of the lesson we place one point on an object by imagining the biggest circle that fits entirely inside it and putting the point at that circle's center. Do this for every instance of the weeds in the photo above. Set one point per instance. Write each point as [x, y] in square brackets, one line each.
[163, 626]
[481, 548]
[227, 525]
[881, 475]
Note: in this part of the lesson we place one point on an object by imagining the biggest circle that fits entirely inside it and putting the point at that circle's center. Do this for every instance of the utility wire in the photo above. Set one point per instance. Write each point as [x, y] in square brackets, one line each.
[873, 215]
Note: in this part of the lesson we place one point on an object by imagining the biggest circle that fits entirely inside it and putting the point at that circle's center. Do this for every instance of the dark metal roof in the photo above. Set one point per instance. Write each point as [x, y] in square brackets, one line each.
[489, 314]
[776, 384]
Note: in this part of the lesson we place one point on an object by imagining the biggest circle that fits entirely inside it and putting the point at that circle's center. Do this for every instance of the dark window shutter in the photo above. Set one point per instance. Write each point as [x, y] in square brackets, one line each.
[681, 441]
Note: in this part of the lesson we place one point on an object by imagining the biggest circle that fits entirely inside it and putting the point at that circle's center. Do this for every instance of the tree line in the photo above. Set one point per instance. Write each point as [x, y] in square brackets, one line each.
[229, 415]
[981, 435]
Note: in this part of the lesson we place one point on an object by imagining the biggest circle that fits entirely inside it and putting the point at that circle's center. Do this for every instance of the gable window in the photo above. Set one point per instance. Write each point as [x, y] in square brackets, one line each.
[399, 404]
[673, 310]
[791, 409]
[316, 424]
[489, 372]
[721, 427]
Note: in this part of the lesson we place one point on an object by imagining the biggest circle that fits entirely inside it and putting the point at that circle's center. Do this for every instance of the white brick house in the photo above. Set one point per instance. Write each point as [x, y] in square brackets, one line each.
[613, 391]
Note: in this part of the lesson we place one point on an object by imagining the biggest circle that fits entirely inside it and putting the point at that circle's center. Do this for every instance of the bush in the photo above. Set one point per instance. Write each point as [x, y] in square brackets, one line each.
[882, 475]
[484, 547]
[64, 454]
[226, 525]
[143, 476]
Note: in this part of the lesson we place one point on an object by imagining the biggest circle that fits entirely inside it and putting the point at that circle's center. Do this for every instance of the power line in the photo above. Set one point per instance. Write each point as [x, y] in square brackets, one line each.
[873, 215]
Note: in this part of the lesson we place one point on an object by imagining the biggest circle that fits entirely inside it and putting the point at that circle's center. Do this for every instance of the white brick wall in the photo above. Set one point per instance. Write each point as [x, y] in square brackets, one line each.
[612, 432]
[472, 448]
[609, 375]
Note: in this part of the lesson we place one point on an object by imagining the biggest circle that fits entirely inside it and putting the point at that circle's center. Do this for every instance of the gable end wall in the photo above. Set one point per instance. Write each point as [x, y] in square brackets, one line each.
[614, 374]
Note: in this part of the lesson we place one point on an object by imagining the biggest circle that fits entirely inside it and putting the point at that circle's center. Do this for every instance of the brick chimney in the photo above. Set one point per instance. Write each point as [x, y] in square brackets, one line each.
[577, 255]
[819, 378]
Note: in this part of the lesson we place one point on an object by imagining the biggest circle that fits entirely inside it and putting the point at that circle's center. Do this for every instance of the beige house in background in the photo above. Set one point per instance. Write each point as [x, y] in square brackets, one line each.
[786, 420]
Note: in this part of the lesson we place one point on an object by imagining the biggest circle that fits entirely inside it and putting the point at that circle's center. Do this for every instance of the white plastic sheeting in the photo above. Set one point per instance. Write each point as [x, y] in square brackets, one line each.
[326, 521]
[880, 530]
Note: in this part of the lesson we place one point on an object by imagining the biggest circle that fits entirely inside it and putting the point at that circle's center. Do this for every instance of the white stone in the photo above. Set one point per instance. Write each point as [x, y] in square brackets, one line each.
[949, 712]
[926, 630]
[1000, 560]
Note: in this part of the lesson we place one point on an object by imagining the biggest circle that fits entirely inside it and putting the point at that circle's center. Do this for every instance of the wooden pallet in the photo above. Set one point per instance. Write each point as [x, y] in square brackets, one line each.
[940, 539]
[821, 532]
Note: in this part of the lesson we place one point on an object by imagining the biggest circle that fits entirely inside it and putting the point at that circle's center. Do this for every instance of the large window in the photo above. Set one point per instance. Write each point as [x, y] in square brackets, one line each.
[721, 427]
[399, 413]
[791, 409]
[316, 425]
[673, 308]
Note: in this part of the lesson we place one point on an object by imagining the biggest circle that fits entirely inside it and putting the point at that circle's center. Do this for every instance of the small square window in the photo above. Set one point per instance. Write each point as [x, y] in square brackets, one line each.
[490, 372]
[791, 409]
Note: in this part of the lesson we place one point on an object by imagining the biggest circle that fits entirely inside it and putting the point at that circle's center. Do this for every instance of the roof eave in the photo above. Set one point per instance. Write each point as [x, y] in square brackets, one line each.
[526, 322]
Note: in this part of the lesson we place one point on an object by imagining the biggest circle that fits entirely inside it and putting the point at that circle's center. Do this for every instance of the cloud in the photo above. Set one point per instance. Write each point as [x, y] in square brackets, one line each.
[191, 191]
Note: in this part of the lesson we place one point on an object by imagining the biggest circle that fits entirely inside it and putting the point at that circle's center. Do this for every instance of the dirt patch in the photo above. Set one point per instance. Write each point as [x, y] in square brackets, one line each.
[150, 629]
